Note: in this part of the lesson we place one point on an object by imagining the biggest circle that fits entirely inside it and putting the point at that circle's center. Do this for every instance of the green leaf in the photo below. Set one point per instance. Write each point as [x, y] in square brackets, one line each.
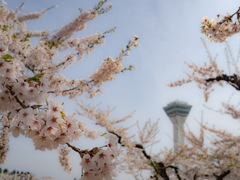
[202, 156]
[7, 57]
[14, 36]
[5, 28]
[35, 78]
[8, 115]
[1, 154]
[63, 114]
[104, 134]
[95, 150]
[36, 106]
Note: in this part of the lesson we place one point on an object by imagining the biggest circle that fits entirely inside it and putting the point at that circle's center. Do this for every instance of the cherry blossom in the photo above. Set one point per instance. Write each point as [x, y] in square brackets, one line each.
[218, 30]
[32, 79]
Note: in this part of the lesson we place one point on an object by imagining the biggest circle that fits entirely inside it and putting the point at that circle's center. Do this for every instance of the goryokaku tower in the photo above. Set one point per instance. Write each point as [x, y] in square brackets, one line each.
[177, 111]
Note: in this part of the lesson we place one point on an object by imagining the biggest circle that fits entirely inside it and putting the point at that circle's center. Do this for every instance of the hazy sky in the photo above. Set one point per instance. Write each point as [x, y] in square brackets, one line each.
[169, 32]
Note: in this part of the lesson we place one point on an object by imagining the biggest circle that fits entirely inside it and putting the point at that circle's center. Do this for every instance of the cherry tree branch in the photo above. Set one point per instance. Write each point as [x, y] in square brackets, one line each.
[229, 18]
[16, 98]
[176, 171]
[223, 175]
[79, 151]
[233, 80]
[159, 167]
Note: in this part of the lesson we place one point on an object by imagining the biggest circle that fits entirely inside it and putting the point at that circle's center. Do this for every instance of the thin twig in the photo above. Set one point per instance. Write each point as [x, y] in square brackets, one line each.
[16, 98]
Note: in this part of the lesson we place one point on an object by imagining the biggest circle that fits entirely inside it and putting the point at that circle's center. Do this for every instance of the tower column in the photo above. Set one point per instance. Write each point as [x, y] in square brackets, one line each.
[177, 111]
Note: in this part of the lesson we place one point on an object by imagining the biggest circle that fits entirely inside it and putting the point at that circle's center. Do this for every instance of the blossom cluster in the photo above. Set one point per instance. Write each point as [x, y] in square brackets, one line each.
[47, 128]
[200, 76]
[231, 110]
[101, 164]
[221, 159]
[64, 160]
[197, 159]
[77, 24]
[134, 158]
[107, 71]
[218, 30]
[31, 77]
[102, 118]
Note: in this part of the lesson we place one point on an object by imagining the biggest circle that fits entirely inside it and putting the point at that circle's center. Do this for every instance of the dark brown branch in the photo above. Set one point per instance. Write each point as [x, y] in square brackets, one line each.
[233, 80]
[30, 68]
[16, 98]
[79, 151]
[229, 18]
[162, 171]
[223, 175]
[119, 138]
[176, 171]
[159, 167]
[195, 177]
[66, 90]
[73, 88]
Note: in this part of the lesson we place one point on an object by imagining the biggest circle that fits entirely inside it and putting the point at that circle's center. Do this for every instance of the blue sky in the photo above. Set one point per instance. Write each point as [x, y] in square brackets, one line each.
[169, 34]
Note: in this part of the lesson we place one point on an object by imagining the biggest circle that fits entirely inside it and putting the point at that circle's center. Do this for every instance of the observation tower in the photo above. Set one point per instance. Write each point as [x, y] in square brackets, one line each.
[178, 111]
